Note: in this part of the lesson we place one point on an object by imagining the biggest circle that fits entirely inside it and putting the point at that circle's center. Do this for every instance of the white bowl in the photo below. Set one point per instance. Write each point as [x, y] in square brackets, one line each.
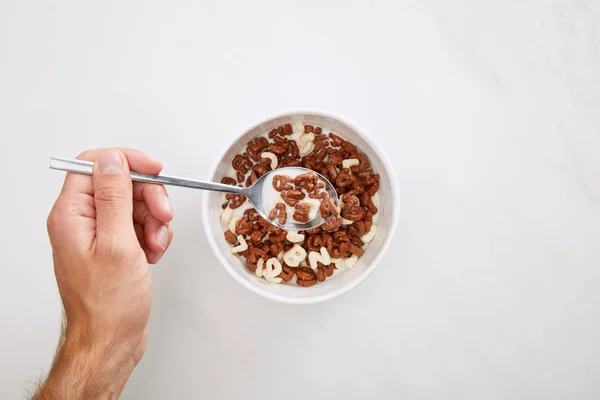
[342, 281]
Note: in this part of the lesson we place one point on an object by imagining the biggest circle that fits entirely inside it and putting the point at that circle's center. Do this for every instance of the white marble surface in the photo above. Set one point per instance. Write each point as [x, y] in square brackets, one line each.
[490, 108]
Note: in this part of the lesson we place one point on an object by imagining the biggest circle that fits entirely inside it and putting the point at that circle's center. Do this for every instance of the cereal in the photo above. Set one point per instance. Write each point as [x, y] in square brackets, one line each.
[322, 257]
[259, 267]
[375, 199]
[292, 197]
[324, 271]
[307, 181]
[344, 178]
[367, 201]
[358, 228]
[298, 130]
[350, 163]
[272, 157]
[315, 242]
[305, 139]
[373, 188]
[336, 141]
[318, 195]
[352, 209]
[302, 213]
[314, 208]
[235, 200]
[321, 273]
[287, 273]
[304, 150]
[305, 273]
[279, 213]
[294, 153]
[244, 226]
[328, 208]
[243, 246]
[272, 270]
[230, 237]
[282, 182]
[241, 164]
[332, 224]
[255, 146]
[294, 237]
[256, 237]
[233, 223]
[311, 256]
[306, 276]
[252, 178]
[280, 146]
[356, 250]
[294, 256]
[307, 282]
[228, 181]
[318, 146]
[369, 235]
[225, 217]
[277, 237]
[305, 143]
[348, 149]
[240, 177]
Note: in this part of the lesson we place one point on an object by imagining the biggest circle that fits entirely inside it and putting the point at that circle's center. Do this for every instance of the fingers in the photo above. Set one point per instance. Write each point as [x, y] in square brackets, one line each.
[138, 162]
[156, 199]
[151, 256]
[154, 256]
[157, 234]
[113, 199]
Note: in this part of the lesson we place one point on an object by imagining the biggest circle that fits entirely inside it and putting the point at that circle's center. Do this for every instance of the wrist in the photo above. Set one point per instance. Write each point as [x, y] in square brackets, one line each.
[88, 368]
[103, 347]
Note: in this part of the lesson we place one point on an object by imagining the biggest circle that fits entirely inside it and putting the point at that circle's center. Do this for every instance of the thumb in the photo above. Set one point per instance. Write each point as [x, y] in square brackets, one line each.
[113, 199]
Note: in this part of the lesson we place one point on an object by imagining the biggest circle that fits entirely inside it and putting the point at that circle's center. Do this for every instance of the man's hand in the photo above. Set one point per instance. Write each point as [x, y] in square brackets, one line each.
[104, 231]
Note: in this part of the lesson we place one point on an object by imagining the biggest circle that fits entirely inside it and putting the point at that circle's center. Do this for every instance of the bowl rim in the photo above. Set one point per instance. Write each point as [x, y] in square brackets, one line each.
[368, 270]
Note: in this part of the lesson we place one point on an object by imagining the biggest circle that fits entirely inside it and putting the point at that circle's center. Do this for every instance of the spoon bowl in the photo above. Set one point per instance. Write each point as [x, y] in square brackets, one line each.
[254, 193]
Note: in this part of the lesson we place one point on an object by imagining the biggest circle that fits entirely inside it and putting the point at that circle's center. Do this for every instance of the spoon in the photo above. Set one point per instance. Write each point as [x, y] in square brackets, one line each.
[253, 193]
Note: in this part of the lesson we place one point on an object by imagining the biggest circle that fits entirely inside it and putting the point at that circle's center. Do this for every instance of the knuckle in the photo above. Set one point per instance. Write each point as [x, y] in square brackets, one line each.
[55, 216]
[110, 194]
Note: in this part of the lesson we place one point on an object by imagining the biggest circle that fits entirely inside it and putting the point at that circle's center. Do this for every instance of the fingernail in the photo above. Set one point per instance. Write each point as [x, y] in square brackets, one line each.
[167, 205]
[162, 236]
[109, 162]
[154, 257]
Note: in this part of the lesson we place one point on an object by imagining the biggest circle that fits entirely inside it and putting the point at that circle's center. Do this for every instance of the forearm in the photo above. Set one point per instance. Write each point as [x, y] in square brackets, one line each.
[85, 369]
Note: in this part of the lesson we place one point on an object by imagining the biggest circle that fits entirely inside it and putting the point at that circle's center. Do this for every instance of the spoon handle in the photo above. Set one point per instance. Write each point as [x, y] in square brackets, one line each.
[85, 167]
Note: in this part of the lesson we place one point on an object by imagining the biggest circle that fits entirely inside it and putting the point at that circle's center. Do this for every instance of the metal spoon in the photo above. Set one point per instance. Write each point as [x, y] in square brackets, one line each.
[253, 193]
